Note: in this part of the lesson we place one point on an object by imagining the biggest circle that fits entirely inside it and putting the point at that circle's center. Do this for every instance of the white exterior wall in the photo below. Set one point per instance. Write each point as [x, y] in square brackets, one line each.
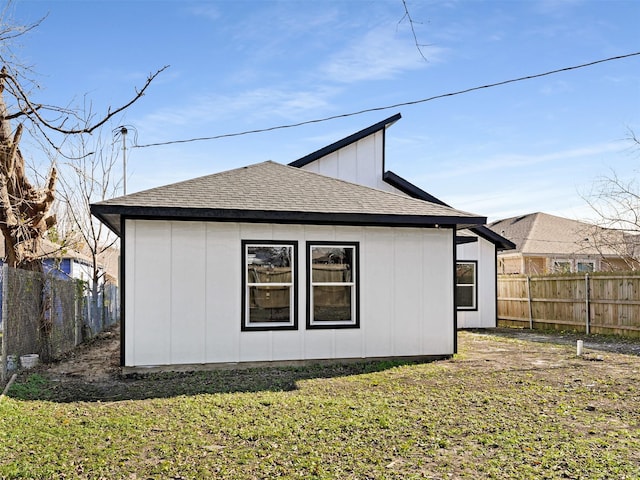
[484, 316]
[183, 297]
[360, 162]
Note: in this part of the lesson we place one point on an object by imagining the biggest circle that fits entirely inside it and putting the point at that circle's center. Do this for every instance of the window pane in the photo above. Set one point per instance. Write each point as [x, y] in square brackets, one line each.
[331, 303]
[332, 264]
[561, 267]
[585, 267]
[266, 264]
[464, 296]
[269, 304]
[465, 273]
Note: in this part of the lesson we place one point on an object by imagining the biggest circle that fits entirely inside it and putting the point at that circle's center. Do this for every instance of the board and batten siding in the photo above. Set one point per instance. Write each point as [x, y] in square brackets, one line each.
[184, 294]
[484, 316]
[360, 162]
[363, 162]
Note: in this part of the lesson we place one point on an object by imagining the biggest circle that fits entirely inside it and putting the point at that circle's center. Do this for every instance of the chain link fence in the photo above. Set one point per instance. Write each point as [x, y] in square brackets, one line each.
[48, 316]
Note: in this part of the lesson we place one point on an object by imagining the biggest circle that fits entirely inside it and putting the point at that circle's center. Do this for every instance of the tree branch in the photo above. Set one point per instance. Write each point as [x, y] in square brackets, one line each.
[33, 110]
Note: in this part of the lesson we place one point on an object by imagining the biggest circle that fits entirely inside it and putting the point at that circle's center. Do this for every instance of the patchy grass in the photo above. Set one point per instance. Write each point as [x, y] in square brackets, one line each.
[503, 408]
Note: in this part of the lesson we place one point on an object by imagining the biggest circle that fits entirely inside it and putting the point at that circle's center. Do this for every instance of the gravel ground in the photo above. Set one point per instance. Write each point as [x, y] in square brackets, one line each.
[604, 343]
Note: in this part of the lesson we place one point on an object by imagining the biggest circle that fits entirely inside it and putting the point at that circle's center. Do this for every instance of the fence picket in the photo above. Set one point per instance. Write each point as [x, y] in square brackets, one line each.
[608, 304]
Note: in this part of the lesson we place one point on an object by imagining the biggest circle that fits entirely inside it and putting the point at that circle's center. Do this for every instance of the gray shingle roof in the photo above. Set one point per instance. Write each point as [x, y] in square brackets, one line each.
[543, 234]
[271, 192]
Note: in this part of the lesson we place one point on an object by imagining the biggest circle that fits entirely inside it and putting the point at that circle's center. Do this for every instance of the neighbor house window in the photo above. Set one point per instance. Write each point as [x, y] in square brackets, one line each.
[332, 298]
[466, 285]
[269, 285]
[561, 266]
[585, 266]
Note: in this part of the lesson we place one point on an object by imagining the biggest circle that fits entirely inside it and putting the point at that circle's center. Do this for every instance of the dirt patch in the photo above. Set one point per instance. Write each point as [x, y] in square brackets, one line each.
[94, 361]
[92, 372]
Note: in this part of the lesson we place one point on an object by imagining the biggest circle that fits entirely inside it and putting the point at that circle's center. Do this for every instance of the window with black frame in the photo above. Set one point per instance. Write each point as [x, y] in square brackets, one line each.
[269, 285]
[466, 285]
[333, 285]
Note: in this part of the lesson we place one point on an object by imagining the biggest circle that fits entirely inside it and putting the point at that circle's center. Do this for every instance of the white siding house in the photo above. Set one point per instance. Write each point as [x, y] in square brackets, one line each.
[270, 263]
[360, 158]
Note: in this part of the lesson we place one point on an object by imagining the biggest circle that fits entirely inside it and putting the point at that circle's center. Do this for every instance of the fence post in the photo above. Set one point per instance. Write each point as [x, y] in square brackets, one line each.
[587, 295]
[529, 302]
[5, 315]
[76, 341]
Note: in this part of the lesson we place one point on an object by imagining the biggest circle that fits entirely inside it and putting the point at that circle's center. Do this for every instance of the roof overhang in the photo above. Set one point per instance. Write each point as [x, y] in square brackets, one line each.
[112, 216]
[410, 189]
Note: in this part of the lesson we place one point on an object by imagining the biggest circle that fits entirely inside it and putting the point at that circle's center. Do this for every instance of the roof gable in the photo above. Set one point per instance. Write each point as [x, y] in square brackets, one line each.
[329, 149]
[388, 177]
[275, 193]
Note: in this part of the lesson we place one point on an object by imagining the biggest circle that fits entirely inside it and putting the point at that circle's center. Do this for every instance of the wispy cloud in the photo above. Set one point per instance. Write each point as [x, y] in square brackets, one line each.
[518, 200]
[205, 10]
[518, 160]
[380, 54]
[556, 87]
[267, 105]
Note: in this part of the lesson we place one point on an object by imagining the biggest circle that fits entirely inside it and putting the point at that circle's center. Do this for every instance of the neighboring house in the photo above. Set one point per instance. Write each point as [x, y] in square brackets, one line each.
[58, 261]
[62, 261]
[360, 158]
[549, 244]
[270, 263]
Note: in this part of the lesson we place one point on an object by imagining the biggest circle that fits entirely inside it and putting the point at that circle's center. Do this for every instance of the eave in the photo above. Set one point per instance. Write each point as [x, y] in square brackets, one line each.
[112, 215]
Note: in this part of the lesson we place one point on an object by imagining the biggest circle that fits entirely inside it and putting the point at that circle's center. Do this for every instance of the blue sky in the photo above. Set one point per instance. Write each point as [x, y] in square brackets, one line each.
[535, 145]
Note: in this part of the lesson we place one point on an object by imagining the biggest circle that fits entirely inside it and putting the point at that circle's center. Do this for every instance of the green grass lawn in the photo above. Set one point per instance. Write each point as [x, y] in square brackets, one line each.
[460, 418]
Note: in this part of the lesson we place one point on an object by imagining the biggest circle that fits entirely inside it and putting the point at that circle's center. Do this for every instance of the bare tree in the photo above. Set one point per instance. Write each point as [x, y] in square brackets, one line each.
[89, 175]
[407, 16]
[25, 209]
[616, 203]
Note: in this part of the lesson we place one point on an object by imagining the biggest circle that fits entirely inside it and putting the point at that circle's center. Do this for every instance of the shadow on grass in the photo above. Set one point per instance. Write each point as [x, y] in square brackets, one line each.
[39, 386]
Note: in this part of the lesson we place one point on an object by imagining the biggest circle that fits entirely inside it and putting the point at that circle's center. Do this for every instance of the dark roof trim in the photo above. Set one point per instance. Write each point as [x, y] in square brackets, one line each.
[312, 157]
[501, 242]
[410, 189]
[111, 214]
[460, 239]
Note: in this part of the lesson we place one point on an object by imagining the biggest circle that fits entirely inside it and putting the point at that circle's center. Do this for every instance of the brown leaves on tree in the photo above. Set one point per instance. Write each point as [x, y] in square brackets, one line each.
[24, 208]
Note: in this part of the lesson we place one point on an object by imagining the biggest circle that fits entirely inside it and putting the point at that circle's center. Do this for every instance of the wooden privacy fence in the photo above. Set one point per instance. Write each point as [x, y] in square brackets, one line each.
[588, 303]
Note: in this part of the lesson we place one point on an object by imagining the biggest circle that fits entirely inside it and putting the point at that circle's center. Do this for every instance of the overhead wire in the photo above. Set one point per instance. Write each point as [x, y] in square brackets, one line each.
[388, 107]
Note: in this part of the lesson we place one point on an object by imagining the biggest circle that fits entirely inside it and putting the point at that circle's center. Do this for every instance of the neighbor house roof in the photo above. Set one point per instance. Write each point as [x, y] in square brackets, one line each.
[269, 192]
[543, 234]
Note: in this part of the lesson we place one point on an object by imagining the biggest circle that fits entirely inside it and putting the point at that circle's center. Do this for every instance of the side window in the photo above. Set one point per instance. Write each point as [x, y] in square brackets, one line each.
[466, 285]
[269, 280]
[332, 278]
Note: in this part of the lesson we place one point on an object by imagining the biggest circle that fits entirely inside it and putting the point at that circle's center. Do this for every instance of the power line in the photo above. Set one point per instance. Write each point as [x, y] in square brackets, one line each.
[397, 105]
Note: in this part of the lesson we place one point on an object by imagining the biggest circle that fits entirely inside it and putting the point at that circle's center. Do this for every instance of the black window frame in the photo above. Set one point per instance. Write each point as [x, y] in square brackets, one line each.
[268, 326]
[355, 287]
[474, 307]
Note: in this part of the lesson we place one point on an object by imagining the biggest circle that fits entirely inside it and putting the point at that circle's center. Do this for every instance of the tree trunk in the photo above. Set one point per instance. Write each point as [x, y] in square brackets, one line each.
[24, 209]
